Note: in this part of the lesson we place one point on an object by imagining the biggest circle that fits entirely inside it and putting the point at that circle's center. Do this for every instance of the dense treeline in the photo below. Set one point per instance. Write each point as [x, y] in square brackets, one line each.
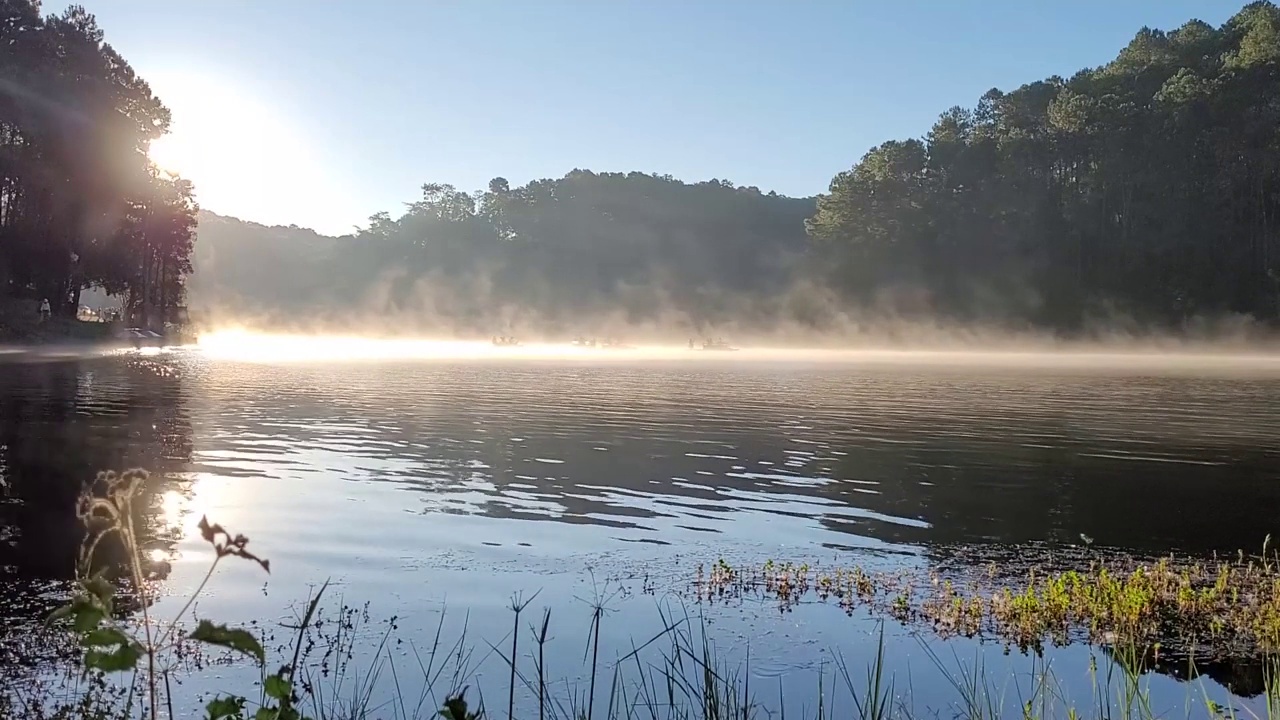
[81, 205]
[1147, 188]
[574, 253]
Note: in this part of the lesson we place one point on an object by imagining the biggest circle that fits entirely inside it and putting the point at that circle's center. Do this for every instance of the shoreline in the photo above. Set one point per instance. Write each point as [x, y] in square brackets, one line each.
[70, 347]
[56, 351]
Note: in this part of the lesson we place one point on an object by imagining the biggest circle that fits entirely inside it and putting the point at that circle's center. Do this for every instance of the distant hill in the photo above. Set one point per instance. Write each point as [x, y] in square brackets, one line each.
[241, 263]
[584, 252]
[1138, 197]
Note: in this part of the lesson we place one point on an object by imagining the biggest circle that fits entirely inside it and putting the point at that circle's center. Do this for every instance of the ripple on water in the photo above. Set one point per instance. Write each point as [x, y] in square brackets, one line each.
[396, 476]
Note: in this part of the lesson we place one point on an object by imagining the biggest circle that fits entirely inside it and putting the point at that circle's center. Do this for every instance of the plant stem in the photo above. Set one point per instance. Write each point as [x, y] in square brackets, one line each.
[173, 624]
[135, 565]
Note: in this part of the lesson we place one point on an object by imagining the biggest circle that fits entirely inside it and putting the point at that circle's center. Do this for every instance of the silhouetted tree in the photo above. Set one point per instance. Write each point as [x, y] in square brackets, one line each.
[75, 126]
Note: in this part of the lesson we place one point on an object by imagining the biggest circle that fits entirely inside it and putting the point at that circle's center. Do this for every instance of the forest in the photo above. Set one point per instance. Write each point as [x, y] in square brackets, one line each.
[584, 252]
[1146, 188]
[1145, 191]
[81, 205]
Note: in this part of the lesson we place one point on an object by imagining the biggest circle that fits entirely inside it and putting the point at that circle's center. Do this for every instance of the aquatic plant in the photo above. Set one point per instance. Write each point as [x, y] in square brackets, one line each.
[677, 674]
[1228, 608]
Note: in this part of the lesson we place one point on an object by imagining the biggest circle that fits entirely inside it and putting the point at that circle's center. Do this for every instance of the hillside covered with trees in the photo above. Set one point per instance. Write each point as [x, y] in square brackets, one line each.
[81, 205]
[553, 254]
[1148, 187]
[1146, 190]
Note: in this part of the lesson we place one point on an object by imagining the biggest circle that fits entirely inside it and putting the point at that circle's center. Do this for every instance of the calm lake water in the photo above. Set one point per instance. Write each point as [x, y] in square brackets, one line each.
[432, 488]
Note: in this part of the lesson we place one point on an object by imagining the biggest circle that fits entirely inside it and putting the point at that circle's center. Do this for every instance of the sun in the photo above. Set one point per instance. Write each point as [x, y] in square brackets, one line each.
[169, 155]
[243, 154]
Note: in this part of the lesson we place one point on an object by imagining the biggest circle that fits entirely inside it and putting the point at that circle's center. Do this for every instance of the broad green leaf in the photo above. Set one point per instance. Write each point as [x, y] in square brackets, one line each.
[86, 617]
[85, 614]
[266, 714]
[234, 638]
[100, 588]
[124, 657]
[100, 593]
[62, 612]
[225, 707]
[276, 687]
[104, 637]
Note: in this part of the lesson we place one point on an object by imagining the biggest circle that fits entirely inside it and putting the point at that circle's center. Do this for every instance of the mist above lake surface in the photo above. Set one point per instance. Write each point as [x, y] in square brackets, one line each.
[1007, 351]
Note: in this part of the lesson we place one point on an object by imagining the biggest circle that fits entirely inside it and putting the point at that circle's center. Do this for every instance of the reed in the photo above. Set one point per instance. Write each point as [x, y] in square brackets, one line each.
[679, 673]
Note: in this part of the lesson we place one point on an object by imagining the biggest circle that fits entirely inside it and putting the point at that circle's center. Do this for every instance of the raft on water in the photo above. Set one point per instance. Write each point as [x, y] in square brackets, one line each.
[718, 344]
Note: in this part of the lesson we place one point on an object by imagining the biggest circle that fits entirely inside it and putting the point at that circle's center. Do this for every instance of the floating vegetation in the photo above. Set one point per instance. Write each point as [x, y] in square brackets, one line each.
[1209, 609]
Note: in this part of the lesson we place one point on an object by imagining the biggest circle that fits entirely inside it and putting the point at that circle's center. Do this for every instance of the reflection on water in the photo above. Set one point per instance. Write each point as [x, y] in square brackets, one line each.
[401, 477]
[61, 422]
[661, 451]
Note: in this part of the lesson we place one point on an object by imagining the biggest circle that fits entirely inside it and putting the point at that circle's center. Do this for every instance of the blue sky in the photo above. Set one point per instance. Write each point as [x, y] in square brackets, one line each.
[322, 112]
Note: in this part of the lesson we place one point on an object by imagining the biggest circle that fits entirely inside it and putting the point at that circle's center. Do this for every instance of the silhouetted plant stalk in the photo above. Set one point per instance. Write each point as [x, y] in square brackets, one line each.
[688, 680]
[518, 604]
[106, 509]
[541, 637]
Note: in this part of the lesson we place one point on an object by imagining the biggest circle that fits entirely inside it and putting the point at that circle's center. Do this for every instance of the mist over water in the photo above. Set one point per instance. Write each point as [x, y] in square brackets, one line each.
[1000, 351]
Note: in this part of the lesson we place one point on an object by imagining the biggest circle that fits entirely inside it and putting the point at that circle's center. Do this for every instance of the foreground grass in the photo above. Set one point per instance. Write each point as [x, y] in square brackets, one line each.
[132, 661]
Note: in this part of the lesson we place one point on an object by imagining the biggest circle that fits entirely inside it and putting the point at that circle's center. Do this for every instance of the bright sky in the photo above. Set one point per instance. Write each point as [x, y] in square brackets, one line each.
[322, 112]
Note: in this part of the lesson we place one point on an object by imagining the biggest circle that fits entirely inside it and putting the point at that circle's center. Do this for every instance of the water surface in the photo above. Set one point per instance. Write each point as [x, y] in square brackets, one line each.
[419, 484]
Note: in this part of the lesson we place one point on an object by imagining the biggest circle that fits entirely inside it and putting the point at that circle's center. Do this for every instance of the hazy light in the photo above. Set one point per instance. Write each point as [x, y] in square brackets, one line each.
[244, 157]
[252, 346]
[266, 347]
[171, 505]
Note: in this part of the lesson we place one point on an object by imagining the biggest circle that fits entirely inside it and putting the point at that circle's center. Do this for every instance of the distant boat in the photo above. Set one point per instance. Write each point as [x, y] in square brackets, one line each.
[606, 344]
[505, 341]
[139, 337]
[717, 344]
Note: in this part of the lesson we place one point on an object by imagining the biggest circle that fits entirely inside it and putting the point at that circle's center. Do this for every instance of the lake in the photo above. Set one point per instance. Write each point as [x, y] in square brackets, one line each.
[435, 488]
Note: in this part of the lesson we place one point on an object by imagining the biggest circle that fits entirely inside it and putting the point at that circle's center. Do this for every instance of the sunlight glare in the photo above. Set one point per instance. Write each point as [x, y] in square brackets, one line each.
[169, 155]
[171, 507]
[244, 156]
[250, 346]
[268, 347]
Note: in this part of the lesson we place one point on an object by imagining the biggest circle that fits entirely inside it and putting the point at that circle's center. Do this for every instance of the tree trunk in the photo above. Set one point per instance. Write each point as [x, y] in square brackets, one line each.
[164, 295]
